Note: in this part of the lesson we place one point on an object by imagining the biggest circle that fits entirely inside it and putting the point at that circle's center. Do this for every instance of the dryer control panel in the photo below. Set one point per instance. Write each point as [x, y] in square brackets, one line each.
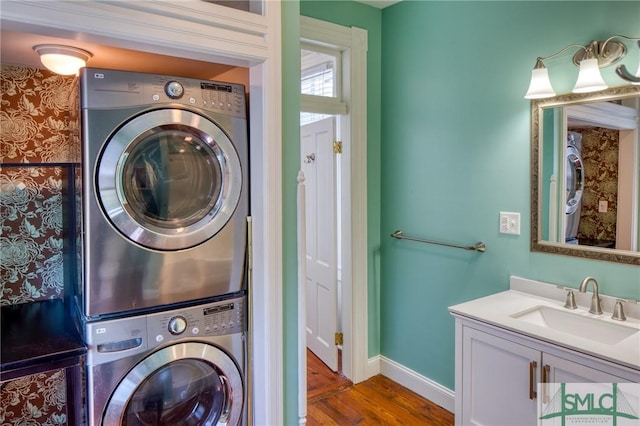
[212, 319]
[106, 89]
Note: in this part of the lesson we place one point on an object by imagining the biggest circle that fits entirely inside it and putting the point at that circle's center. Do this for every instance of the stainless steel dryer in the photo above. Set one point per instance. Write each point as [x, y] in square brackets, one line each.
[164, 190]
[179, 367]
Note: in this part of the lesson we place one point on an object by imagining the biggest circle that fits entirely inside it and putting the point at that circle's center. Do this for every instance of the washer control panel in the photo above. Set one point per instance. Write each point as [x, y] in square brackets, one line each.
[114, 339]
[212, 319]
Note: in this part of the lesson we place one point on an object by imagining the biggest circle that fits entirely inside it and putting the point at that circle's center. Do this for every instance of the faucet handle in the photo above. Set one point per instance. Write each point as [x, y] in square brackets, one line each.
[618, 310]
[570, 303]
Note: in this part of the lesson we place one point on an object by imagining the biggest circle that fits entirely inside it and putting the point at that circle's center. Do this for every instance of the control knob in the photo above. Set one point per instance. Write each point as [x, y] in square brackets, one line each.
[177, 325]
[174, 89]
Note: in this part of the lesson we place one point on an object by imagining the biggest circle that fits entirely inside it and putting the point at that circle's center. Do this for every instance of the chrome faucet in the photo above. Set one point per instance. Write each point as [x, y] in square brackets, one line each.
[596, 308]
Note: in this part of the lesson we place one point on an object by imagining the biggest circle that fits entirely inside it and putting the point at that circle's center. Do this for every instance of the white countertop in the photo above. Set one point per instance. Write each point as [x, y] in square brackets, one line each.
[498, 309]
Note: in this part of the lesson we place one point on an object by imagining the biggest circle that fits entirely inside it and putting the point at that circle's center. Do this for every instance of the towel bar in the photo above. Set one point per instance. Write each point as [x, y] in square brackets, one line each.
[480, 246]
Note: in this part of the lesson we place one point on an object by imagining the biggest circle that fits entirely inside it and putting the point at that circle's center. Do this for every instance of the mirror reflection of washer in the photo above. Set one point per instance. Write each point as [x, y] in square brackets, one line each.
[179, 367]
[164, 190]
[575, 186]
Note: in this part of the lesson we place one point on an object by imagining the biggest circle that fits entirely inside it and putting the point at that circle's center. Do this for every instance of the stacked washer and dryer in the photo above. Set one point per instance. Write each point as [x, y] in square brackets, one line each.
[162, 294]
[575, 187]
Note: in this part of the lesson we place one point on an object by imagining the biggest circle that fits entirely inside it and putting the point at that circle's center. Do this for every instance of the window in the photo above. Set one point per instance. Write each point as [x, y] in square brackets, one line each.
[318, 79]
[320, 83]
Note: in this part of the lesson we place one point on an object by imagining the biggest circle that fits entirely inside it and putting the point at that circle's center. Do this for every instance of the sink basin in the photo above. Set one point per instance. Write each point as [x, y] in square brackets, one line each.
[576, 324]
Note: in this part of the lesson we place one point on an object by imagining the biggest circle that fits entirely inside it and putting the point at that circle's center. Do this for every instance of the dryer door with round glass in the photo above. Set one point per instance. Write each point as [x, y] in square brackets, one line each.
[168, 179]
[189, 383]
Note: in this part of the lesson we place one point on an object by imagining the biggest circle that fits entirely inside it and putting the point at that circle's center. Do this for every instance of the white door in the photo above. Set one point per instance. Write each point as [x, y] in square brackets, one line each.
[319, 168]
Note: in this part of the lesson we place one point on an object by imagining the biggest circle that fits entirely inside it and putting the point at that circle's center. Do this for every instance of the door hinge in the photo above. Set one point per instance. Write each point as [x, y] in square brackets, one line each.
[337, 147]
[339, 338]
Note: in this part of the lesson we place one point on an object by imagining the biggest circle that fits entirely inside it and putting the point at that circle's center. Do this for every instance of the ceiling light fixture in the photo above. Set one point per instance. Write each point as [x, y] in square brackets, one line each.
[590, 59]
[64, 60]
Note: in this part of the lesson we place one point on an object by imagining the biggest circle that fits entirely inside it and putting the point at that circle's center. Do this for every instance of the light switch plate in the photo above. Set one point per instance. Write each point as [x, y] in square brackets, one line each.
[603, 206]
[510, 223]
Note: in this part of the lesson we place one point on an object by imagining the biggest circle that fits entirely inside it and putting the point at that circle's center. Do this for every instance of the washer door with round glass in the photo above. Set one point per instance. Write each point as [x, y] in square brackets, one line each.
[186, 384]
[169, 179]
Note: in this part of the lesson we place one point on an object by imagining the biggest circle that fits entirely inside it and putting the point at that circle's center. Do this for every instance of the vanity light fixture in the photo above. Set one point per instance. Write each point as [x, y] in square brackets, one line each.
[590, 58]
[589, 77]
[64, 60]
[623, 73]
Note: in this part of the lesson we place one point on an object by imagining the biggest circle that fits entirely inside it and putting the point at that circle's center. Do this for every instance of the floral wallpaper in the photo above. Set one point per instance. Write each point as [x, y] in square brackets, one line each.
[35, 145]
[35, 116]
[35, 127]
[600, 157]
[39, 399]
[31, 240]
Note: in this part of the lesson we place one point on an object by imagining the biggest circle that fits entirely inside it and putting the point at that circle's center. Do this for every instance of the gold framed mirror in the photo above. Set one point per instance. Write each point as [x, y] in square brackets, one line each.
[585, 175]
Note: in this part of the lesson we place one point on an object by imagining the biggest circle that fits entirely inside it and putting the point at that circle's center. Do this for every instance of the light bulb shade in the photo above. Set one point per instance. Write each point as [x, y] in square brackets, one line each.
[64, 60]
[540, 85]
[589, 77]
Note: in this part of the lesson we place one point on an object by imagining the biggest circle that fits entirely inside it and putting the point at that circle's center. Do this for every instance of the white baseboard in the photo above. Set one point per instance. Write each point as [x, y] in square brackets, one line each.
[373, 366]
[423, 386]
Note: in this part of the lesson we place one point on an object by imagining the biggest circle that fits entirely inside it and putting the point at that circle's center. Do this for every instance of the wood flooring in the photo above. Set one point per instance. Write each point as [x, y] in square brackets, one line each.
[333, 400]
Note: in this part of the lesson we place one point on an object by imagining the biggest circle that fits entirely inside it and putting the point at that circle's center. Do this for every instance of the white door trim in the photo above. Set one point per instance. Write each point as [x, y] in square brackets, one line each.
[353, 42]
[207, 32]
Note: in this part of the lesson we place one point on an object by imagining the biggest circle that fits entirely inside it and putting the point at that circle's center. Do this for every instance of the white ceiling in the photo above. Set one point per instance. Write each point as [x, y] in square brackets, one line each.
[380, 4]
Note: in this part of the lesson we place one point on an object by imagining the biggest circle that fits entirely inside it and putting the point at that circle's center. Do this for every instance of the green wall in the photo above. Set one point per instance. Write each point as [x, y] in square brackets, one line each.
[448, 149]
[455, 149]
[291, 165]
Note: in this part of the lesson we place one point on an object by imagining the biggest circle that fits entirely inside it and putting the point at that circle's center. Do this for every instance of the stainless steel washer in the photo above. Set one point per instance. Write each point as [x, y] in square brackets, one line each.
[164, 191]
[180, 367]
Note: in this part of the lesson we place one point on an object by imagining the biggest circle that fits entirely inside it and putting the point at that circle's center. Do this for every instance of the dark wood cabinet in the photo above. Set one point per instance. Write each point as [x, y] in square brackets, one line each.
[42, 358]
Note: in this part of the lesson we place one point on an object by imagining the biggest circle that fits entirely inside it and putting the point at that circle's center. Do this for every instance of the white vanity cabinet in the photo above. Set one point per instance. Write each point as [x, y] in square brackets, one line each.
[493, 387]
[498, 372]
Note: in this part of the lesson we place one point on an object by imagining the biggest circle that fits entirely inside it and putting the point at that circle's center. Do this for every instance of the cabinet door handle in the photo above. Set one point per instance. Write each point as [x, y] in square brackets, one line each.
[546, 369]
[532, 378]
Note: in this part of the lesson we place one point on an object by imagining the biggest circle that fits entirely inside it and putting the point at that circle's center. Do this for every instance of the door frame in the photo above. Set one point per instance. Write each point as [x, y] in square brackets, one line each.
[352, 42]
